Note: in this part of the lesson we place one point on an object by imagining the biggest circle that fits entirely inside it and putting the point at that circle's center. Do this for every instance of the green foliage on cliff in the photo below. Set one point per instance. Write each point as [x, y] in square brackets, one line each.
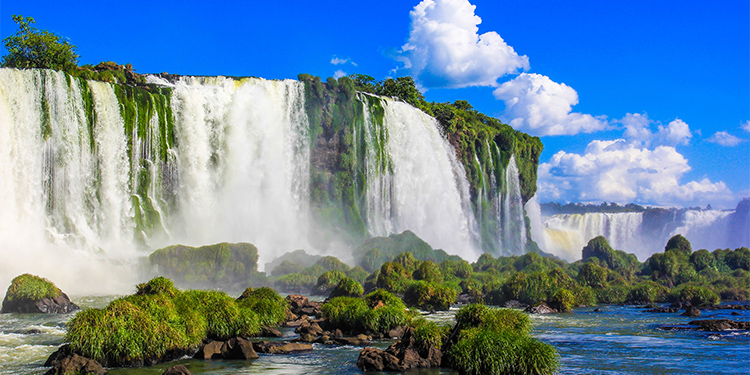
[30, 287]
[30, 47]
[226, 266]
[373, 252]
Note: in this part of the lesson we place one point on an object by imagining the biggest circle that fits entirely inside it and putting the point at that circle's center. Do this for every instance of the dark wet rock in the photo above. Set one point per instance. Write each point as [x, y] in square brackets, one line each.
[277, 347]
[513, 304]
[692, 311]
[400, 356]
[396, 332]
[663, 310]
[735, 313]
[56, 305]
[466, 299]
[300, 305]
[177, 370]
[311, 329]
[209, 350]
[74, 364]
[359, 340]
[540, 309]
[719, 325]
[270, 332]
[234, 348]
[32, 331]
[296, 323]
[597, 310]
[238, 348]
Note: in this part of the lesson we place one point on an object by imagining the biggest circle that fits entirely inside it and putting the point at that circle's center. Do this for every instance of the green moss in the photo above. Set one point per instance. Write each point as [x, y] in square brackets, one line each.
[429, 296]
[358, 315]
[327, 281]
[295, 283]
[30, 287]
[331, 263]
[270, 306]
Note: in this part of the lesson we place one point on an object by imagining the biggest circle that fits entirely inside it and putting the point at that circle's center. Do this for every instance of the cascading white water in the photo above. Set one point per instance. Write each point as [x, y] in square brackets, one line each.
[243, 162]
[565, 235]
[416, 182]
[239, 171]
[513, 224]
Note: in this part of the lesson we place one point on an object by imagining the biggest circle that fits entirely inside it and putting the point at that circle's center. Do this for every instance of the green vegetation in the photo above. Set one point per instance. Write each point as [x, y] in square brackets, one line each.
[347, 287]
[377, 312]
[160, 323]
[373, 252]
[30, 47]
[327, 281]
[225, 266]
[496, 341]
[30, 287]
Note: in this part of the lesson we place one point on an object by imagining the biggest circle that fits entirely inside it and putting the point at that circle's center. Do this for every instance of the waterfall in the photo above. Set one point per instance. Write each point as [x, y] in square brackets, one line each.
[641, 233]
[94, 175]
[513, 219]
[415, 181]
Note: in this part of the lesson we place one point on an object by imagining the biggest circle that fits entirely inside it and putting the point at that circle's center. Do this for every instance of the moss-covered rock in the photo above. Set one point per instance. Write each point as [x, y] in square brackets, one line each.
[32, 294]
[161, 323]
[223, 266]
[377, 250]
[326, 282]
[347, 287]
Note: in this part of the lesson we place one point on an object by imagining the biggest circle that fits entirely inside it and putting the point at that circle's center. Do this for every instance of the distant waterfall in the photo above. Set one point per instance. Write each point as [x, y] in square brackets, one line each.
[643, 233]
[415, 181]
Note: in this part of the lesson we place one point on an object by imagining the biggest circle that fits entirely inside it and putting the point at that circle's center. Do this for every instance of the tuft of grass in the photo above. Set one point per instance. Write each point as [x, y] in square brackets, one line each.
[347, 287]
[427, 334]
[270, 307]
[158, 285]
[30, 287]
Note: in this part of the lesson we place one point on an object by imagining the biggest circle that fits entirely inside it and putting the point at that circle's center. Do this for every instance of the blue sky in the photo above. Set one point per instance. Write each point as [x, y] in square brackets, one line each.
[635, 101]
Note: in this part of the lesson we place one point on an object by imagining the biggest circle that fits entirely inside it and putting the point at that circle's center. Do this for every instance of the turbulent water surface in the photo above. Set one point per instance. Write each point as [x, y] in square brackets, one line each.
[617, 340]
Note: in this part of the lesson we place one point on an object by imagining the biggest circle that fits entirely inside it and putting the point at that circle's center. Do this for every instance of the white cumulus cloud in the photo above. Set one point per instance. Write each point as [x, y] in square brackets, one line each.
[745, 126]
[445, 48]
[338, 61]
[339, 73]
[621, 171]
[725, 139]
[638, 130]
[536, 104]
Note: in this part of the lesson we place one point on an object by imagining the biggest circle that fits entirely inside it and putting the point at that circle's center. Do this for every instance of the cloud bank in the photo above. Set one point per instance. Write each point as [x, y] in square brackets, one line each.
[536, 104]
[622, 171]
[445, 49]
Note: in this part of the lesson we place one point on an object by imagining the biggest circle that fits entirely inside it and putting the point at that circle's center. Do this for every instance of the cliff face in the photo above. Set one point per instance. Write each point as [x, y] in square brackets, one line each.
[211, 159]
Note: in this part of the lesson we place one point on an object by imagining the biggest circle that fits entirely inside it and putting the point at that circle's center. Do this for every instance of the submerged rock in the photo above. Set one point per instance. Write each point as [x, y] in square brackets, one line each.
[692, 311]
[32, 294]
[540, 309]
[277, 347]
[719, 325]
[234, 348]
[177, 370]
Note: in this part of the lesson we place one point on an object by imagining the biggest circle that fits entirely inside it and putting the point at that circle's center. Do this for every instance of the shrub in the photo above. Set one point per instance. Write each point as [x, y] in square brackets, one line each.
[331, 263]
[327, 281]
[383, 319]
[157, 285]
[696, 295]
[393, 277]
[485, 351]
[701, 259]
[678, 244]
[357, 273]
[592, 275]
[295, 282]
[429, 272]
[382, 295]
[347, 287]
[429, 296]
[647, 291]
[224, 318]
[458, 268]
[287, 267]
[562, 300]
[428, 334]
[30, 47]
[30, 287]
[269, 305]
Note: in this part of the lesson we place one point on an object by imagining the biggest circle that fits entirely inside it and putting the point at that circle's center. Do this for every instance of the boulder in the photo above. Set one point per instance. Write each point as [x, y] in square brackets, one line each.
[278, 347]
[735, 313]
[33, 294]
[396, 332]
[177, 370]
[234, 348]
[540, 309]
[238, 348]
[374, 359]
[719, 325]
[300, 305]
[400, 356]
[692, 311]
[663, 310]
[210, 350]
[359, 340]
[75, 364]
[513, 304]
[270, 332]
[296, 323]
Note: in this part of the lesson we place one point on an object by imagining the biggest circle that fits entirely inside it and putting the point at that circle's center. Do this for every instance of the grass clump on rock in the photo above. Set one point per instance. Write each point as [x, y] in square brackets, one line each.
[271, 307]
[496, 341]
[161, 323]
[30, 287]
[347, 287]
[378, 312]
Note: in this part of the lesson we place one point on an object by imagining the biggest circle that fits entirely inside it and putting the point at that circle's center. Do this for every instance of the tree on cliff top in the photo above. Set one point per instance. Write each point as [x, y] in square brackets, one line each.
[30, 47]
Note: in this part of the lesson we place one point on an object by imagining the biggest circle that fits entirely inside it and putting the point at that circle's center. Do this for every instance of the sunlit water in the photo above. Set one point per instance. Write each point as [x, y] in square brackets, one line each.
[617, 340]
